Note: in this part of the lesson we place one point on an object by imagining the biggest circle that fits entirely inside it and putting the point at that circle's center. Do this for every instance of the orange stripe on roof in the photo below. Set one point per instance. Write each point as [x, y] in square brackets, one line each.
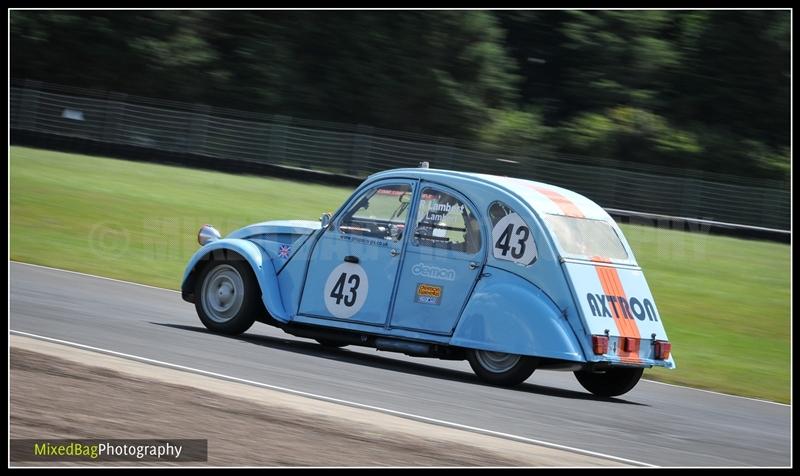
[564, 203]
[612, 286]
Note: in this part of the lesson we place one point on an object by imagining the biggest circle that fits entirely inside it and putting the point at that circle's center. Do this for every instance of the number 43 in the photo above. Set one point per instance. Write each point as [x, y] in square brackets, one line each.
[503, 242]
[337, 292]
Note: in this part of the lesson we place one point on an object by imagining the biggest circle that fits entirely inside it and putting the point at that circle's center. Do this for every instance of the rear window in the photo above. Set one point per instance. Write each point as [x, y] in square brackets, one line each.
[582, 236]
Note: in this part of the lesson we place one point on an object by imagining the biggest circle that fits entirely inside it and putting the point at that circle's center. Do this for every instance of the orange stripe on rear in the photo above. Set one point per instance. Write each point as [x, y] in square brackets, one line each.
[612, 286]
[607, 290]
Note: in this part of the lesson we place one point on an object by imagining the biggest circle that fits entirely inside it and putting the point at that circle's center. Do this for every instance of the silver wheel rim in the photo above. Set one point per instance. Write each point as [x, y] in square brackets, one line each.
[496, 362]
[223, 293]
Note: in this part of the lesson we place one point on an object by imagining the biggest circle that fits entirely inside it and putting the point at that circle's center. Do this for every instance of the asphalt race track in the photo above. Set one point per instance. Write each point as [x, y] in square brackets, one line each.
[654, 423]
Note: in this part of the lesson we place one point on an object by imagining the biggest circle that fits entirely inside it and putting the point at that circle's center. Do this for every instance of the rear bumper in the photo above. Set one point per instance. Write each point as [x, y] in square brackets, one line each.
[617, 357]
[606, 362]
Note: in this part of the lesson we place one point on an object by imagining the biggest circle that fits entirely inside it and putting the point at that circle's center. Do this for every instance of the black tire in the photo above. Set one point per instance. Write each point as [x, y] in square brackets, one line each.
[240, 315]
[610, 383]
[334, 344]
[513, 373]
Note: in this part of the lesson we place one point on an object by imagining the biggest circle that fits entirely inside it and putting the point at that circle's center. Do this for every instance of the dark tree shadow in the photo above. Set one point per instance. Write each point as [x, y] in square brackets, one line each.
[293, 344]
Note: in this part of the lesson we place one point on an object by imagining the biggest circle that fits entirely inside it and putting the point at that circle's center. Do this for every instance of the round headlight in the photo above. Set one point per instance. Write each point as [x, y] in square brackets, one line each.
[207, 234]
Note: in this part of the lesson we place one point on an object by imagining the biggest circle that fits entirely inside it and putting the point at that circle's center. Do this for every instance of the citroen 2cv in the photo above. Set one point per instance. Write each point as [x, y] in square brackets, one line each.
[509, 274]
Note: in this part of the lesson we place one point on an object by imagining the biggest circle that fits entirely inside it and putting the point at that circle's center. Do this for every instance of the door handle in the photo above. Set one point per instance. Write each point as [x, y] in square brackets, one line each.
[351, 259]
[473, 265]
[394, 252]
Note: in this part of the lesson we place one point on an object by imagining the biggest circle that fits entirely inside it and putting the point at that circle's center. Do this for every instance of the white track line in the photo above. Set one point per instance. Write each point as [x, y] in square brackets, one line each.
[339, 401]
[93, 276]
[174, 291]
[718, 393]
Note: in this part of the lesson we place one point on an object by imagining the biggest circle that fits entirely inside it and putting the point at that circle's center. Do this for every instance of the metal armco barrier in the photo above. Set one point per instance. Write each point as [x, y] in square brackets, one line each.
[214, 136]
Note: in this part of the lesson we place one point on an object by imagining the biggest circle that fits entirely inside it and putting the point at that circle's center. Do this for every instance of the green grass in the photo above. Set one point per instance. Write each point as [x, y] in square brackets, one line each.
[724, 301]
[725, 305]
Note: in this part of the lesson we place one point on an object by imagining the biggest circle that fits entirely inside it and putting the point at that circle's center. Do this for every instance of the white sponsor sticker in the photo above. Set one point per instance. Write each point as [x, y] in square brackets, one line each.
[513, 241]
[435, 272]
[346, 290]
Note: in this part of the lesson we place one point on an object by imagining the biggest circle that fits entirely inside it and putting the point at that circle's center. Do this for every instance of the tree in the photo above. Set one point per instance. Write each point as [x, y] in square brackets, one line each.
[699, 89]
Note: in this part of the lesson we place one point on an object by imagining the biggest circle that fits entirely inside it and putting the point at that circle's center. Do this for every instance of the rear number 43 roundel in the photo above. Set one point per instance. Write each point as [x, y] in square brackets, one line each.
[346, 290]
[513, 240]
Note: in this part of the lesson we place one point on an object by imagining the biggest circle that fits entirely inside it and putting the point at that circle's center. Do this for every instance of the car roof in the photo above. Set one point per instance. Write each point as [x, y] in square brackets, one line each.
[541, 197]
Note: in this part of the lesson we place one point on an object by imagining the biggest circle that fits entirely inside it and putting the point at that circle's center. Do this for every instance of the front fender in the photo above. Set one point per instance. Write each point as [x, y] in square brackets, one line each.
[509, 314]
[260, 261]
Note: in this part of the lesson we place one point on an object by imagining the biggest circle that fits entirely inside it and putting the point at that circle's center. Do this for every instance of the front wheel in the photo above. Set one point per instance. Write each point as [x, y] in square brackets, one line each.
[501, 369]
[228, 297]
[611, 382]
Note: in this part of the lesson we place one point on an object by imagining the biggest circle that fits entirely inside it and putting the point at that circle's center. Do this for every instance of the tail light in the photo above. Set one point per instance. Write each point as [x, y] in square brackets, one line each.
[662, 349]
[630, 344]
[600, 344]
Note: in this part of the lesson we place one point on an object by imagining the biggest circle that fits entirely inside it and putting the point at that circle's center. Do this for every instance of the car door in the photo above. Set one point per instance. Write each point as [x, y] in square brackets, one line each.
[443, 259]
[354, 264]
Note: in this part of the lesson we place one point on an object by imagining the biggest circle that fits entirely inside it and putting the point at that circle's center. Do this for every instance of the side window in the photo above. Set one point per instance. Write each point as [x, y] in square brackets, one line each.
[380, 212]
[512, 239]
[444, 222]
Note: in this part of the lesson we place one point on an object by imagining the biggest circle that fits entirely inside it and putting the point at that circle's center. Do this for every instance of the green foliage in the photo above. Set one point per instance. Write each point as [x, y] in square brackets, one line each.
[706, 89]
[616, 54]
[710, 88]
[430, 72]
[630, 134]
[515, 130]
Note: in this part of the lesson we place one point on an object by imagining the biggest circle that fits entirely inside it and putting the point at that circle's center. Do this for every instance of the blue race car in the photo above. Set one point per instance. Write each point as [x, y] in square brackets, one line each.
[509, 274]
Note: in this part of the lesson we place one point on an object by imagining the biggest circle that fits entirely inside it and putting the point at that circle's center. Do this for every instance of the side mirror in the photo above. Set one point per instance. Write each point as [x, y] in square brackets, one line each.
[325, 219]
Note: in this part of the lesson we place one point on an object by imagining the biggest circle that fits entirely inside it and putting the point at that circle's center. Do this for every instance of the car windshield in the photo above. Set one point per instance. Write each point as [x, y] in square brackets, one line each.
[385, 203]
[379, 213]
[585, 237]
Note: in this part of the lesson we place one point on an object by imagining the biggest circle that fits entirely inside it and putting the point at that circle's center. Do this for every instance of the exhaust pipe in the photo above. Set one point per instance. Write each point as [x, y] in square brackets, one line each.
[410, 348]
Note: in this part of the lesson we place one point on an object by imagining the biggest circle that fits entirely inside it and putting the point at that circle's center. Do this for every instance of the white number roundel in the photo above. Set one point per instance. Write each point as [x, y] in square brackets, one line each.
[346, 290]
[513, 241]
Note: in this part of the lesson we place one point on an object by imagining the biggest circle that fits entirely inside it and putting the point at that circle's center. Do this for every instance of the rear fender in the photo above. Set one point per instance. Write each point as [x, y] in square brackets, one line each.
[260, 261]
[508, 314]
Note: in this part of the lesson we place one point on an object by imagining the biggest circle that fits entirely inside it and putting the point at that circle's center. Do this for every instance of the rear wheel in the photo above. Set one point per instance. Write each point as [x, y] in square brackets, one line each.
[228, 297]
[611, 382]
[500, 368]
